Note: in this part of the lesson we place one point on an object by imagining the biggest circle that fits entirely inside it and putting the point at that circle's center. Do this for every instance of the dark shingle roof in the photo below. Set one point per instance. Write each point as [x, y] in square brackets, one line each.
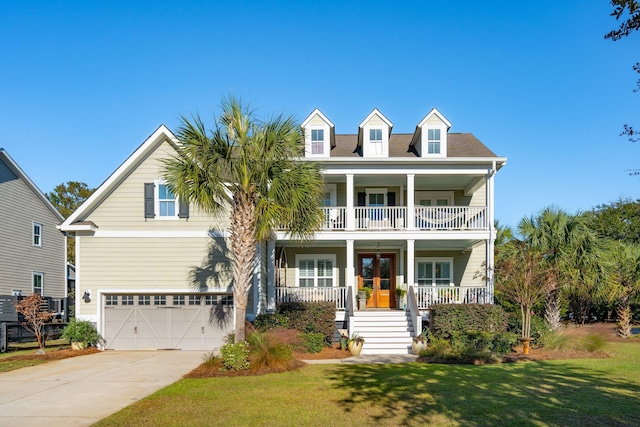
[458, 145]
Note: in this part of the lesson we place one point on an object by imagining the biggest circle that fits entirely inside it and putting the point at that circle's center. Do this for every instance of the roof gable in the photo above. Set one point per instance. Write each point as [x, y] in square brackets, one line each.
[13, 166]
[158, 137]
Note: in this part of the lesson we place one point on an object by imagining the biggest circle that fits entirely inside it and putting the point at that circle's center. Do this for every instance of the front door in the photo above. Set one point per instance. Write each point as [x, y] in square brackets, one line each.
[378, 274]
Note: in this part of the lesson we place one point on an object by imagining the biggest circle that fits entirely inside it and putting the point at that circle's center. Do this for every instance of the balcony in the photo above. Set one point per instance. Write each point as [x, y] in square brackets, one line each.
[449, 218]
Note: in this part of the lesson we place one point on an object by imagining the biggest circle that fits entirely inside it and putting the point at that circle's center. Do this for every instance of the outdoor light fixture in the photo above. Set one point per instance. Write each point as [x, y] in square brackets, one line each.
[86, 296]
[378, 252]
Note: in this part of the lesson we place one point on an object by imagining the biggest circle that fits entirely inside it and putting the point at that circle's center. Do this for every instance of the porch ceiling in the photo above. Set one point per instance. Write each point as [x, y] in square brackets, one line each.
[422, 182]
[420, 245]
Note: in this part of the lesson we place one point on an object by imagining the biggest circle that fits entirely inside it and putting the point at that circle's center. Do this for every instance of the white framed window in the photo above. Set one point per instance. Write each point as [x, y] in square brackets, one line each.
[315, 271]
[317, 141]
[38, 283]
[127, 299]
[144, 300]
[433, 141]
[375, 138]
[434, 198]
[329, 195]
[160, 300]
[167, 206]
[111, 300]
[37, 234]
[178, 300]
[434, 271]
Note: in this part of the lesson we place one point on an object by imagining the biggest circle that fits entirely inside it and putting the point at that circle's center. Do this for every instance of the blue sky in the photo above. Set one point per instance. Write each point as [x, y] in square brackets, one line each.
[82, 84]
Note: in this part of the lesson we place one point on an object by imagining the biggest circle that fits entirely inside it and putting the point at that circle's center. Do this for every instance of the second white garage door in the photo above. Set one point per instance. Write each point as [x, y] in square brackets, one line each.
[153, 321]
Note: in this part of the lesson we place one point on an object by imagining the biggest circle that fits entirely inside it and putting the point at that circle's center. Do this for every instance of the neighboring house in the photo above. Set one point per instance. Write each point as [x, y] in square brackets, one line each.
[32, 249]
[402, 210]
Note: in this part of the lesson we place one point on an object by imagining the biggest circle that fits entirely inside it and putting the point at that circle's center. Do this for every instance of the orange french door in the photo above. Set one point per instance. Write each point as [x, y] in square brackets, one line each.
[379, 276]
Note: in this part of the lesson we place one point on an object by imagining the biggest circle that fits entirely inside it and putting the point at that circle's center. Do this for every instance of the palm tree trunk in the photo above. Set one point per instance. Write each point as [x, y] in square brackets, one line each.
[624, 318]
[243, 248]
[552, 311]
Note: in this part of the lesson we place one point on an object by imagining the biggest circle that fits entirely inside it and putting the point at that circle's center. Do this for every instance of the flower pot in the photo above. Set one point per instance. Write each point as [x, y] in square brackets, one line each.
[417, 347]
[355, 347]
[525, 344]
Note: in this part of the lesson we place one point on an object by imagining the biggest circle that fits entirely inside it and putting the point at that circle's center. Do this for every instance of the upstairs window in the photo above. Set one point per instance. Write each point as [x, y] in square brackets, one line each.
[37, 234]
[375, 138]
[433, 141]
[317, 141]
[166, 202]
[161, 203]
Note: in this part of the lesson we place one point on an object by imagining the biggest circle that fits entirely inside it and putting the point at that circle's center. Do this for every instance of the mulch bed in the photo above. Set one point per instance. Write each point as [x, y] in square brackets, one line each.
[53, 354]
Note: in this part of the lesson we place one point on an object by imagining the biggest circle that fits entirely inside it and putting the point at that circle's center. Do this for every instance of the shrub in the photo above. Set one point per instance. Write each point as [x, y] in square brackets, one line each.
[269, 353]
[82, 331]
[469, 347]
[554, 340]
[235, 356]
[317, 317]
[447, 320]
[313, 341]
[264, 322]
[593, 343]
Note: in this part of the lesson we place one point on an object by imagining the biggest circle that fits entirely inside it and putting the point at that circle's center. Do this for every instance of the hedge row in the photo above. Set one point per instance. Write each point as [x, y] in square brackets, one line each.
[448, 320]
[318, 317]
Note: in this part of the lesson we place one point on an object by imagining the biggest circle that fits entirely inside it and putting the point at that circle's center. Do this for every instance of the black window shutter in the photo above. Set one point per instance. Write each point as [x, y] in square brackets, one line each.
[362, 199]
[149, 202]
[391, 199]
[183, 211]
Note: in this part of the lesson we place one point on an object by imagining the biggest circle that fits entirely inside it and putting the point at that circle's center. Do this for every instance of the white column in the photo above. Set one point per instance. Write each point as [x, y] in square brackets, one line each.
[351, 217]
[410, 201]
[411, 278]
[271, 275]
[492, 232]
[350, 270]
[403, 276]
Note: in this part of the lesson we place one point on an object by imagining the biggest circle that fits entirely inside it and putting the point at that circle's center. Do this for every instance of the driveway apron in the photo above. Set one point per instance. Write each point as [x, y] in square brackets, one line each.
[79, 391]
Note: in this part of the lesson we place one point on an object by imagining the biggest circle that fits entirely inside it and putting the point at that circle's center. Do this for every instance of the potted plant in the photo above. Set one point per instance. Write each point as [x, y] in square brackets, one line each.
[419, 342]
[401, 294]
[363, 296]
[355, 344]
[82, 334]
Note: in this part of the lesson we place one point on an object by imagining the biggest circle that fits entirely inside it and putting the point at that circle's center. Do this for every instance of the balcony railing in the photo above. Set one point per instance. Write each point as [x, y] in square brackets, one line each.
[428, 295]
[395, 218]
[337, 294]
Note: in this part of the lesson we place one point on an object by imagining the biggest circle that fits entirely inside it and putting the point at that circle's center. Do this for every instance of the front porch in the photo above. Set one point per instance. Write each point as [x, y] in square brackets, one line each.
[425, 296]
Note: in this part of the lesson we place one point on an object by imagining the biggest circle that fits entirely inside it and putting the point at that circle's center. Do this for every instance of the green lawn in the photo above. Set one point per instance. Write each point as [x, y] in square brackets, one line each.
[583, 392]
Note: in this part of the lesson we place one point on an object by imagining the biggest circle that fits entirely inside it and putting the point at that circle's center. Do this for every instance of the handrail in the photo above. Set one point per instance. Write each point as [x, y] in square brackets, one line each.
[416, 317]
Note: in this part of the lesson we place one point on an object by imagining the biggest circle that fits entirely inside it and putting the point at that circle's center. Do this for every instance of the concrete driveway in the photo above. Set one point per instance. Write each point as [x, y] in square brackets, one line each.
[82, 390]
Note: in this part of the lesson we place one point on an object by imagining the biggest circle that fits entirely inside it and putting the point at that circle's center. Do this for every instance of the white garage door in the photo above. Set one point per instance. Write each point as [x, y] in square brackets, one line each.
[150, 322]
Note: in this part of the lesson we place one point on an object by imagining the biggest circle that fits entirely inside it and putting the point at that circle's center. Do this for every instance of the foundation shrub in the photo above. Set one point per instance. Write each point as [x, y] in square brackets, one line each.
[307, 317]
[448, 320]
[313, 341]
[266, 321]
[469, 347]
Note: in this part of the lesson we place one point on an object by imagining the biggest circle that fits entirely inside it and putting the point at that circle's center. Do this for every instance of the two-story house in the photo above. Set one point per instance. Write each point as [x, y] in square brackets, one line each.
[408, 210]
[32, 249]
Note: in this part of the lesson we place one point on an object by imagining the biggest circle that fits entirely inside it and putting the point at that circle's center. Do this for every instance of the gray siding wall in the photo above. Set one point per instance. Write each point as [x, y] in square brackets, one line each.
[20, 207]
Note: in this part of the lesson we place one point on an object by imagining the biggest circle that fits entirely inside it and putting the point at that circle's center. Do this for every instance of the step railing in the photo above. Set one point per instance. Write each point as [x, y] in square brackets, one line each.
[320, 294]
[414, 310]
[429, 295]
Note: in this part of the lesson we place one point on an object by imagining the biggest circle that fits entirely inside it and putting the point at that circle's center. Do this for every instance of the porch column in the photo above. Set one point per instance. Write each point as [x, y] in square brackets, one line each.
[350, 270]
[351, 217]
[492, 233]
[271, 275]
[411, 222]
[411, 278]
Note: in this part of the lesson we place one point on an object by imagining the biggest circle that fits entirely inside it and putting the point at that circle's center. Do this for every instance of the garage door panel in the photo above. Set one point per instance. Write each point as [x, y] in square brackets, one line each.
[196, 326]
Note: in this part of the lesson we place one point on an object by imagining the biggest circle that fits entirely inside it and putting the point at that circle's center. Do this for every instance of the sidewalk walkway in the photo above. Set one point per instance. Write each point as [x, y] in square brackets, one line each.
[367, 359]
[80, 391]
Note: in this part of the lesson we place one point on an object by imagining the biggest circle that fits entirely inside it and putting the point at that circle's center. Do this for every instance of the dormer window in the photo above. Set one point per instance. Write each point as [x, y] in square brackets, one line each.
[317, 141]
[375, 138]
[433, 141]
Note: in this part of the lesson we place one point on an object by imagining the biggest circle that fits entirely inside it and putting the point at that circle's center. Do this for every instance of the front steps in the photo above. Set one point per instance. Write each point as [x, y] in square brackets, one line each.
[384, 331]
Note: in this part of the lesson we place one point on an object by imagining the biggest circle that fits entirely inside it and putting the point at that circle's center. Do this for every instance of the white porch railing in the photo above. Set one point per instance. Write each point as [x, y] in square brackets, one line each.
[395, 218]
[381, 218]
[428, 295]
[451, 218]
[335, 218]
[337, 294]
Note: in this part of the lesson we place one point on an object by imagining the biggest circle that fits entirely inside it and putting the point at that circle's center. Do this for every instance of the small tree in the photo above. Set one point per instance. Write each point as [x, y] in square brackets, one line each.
[34, 318]
[520, 274]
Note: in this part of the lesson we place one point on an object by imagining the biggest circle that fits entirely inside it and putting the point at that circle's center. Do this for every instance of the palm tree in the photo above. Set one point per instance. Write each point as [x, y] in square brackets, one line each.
[252, 171]
[623, 281]
[561, 239]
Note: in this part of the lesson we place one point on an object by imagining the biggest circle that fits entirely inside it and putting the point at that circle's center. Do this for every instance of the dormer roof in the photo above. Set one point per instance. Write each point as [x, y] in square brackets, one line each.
[434, 113]
[317, 113]
[371, 115]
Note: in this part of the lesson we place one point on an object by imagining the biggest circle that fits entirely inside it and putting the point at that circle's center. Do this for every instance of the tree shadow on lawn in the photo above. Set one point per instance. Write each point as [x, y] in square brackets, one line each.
[536, 393]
